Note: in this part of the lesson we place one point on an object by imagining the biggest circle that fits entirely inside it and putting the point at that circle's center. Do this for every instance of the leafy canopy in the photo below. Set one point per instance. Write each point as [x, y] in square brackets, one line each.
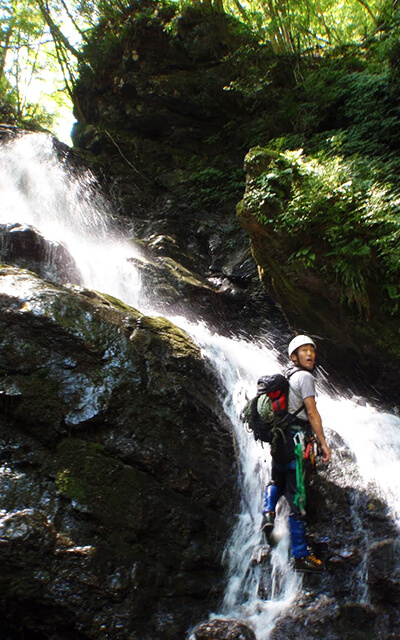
[37, 61]
[41, 41]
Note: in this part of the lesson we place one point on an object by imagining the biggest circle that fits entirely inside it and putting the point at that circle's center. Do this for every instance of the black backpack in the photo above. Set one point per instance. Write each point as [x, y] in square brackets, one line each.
[267, 413]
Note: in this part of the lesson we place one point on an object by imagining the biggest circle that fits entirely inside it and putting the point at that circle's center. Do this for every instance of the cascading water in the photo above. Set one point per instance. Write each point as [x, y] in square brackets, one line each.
[248, 595]
[37, 190]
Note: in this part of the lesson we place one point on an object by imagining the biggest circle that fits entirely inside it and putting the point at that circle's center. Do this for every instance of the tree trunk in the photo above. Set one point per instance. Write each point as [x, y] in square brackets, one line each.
[241, 10]
[281, 33]
[4, 48]
[55, 30]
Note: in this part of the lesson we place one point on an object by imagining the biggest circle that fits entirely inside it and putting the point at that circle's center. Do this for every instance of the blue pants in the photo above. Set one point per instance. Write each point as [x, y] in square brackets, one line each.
[283, 483]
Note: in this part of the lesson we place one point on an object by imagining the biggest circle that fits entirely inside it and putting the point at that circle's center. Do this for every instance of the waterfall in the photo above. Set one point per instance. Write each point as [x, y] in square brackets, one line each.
[37, 190]
[68, 208]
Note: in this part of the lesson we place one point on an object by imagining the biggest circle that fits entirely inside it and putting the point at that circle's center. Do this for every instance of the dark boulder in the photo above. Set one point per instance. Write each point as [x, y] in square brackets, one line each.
[165, 126]
[383, 572]
[26, 247]
[326, 619]
[118, 470]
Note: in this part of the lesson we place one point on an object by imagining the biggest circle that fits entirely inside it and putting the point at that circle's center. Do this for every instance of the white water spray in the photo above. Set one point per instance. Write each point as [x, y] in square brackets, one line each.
[37, 190]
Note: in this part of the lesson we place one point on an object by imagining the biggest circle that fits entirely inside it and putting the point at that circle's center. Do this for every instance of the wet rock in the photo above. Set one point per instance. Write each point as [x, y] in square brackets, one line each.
[355, 596]
[8, 131]
[384, 572]
[25, 246]
[28, 527]
[325, 618]
[118, 467]
[222, 630]
[170, 161]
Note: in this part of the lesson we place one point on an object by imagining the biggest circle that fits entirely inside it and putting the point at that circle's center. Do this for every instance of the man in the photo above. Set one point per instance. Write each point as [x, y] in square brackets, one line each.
[305, 426]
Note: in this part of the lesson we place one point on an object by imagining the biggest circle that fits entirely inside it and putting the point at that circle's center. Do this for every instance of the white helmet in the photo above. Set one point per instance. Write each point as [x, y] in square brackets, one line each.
[299, 341]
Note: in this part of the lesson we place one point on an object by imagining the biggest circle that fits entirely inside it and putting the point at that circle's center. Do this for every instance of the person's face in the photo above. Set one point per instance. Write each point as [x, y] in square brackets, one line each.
[305, 357]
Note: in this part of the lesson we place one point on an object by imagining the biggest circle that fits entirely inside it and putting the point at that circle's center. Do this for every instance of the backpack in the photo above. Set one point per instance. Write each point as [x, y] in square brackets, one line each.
[267, 413]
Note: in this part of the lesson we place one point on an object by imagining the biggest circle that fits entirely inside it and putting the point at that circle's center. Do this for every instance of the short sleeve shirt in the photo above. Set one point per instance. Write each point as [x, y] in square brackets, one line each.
[302, 385]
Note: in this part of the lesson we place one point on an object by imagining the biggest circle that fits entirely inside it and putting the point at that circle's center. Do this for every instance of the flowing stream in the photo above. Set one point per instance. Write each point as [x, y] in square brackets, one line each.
[37, 190]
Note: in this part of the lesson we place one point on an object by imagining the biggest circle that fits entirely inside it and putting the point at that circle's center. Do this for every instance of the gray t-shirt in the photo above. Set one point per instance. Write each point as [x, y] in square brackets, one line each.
[302, 385]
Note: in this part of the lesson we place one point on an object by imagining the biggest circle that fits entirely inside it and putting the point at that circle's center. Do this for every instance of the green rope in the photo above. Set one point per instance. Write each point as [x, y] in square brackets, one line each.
[300, 497]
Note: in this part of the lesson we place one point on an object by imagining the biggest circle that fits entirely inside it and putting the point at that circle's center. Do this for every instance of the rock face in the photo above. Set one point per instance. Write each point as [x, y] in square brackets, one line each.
[165, 124]
[222, 630]
[346, 602]
[118, 480]
[117, 468]
[356, 597]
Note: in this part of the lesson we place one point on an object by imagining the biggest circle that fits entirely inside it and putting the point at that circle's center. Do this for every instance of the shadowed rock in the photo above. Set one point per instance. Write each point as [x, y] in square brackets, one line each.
[117, 468]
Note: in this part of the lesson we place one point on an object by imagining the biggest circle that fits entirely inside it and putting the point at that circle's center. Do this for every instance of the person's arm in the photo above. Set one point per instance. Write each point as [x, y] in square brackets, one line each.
[316, 425]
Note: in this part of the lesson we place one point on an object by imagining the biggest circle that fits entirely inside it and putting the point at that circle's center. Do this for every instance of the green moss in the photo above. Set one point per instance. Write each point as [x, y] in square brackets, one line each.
[39, 398]
[71, 487]
[103, 486]
[176, 339]
[111, 301]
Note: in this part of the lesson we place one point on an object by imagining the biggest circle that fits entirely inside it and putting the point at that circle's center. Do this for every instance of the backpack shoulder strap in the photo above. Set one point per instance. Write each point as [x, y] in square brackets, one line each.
[296, 413]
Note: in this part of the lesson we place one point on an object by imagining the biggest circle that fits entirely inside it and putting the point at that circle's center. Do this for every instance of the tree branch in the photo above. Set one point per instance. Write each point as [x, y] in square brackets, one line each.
[368, 9]
[56, 32]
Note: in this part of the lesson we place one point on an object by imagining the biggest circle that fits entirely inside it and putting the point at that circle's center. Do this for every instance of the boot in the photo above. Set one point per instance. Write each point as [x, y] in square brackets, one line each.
[308, 564]
[267, 524]
[304, 562]
[271, 497]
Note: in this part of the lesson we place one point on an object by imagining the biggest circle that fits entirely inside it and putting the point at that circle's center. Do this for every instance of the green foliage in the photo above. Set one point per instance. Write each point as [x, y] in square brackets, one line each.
[370, 106]
[114, 31]
[96, 30]
[343, 102]
[298, 25]
[306, 256]
[29, 72]
[212, 185]
[343, 221]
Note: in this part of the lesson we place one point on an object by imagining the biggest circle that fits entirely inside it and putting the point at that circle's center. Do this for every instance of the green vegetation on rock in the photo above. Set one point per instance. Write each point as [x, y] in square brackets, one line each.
[328, 218]
[335, 209]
